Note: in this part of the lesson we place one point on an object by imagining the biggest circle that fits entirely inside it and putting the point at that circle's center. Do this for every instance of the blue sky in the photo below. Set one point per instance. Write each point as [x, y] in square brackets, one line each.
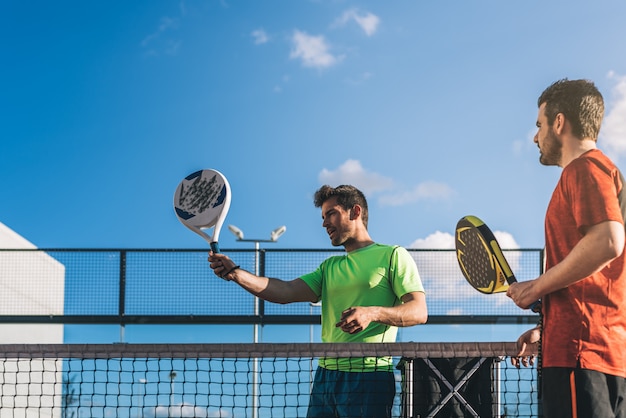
[428, 106]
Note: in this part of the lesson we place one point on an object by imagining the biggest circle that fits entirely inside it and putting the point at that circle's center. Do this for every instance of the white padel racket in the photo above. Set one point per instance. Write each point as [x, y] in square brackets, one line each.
[201, 202]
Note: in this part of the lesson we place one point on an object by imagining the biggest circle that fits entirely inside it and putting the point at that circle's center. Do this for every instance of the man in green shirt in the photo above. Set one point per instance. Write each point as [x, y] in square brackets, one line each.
[366, 294]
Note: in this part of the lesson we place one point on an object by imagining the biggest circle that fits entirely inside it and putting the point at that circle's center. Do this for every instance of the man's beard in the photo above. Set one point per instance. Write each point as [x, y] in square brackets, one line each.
[552, 150]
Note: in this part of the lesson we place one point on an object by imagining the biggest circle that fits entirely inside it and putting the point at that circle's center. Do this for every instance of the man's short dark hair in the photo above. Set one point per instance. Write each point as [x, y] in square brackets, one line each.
[580, 102]
[347, 197]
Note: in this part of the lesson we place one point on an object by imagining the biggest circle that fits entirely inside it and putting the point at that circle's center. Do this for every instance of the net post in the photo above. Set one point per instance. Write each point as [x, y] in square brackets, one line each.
[122, 294]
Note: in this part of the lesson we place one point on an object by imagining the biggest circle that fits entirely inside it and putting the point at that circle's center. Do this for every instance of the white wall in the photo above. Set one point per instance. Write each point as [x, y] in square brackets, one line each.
[31, 283]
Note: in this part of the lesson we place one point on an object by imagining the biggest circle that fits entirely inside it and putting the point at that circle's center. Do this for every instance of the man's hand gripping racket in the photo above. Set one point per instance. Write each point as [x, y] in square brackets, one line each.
[481, 259]
[201, 201]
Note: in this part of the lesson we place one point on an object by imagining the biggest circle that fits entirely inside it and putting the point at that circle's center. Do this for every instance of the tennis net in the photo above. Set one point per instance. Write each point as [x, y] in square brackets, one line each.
[252, 380]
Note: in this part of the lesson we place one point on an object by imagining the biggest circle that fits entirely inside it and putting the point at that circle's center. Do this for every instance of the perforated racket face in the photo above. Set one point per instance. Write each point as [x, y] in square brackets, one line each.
[201, 198]
[475, 259]
[480, 257]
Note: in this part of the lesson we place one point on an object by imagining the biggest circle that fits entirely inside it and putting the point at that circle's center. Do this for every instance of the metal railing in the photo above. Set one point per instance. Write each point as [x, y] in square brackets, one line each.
[176, 286]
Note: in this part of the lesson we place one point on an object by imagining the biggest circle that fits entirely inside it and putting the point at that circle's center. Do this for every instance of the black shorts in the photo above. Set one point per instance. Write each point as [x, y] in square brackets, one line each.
[580, 393]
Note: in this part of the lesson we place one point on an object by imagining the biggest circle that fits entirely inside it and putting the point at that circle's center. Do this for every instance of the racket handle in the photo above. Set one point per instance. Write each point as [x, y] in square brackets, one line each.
[216, 249]
[535, 306]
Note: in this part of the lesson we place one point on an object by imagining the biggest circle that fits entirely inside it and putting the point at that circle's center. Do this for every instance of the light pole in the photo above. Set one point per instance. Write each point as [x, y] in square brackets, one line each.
[274, 235]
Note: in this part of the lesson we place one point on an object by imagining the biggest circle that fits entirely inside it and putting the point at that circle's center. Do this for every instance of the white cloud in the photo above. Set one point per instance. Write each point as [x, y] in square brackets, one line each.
[166, 24]
[506, 240]
[260, 37]
[352, 172]
[367, 21]
[436, 241]
[445, 241]
[313, 51]
[425, 190]
[613, 132]
[158, 42]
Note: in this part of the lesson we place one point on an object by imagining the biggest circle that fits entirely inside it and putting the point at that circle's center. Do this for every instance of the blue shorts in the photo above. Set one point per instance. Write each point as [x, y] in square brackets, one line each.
[351, 394]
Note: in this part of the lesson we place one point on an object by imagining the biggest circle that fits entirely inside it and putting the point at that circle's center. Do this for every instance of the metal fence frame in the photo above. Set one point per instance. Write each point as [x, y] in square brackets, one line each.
[262, 318]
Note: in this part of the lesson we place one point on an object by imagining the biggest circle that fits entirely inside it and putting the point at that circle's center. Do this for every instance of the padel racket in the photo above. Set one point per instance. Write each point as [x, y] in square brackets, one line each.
[201, 201]
[481, 259]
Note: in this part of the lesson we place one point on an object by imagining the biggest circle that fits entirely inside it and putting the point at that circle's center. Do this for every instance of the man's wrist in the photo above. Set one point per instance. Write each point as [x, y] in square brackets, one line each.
[232, 270]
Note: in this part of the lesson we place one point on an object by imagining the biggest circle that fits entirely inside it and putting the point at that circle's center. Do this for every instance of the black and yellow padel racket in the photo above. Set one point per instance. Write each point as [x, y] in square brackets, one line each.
[481, 259]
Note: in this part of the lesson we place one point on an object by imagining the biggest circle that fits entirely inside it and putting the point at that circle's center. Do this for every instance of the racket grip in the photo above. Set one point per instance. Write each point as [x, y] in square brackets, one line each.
[535, 306]
[215, 247]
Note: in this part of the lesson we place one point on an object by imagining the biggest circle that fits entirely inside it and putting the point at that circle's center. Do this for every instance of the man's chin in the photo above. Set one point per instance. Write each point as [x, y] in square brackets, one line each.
[336, 243]
[547, 161]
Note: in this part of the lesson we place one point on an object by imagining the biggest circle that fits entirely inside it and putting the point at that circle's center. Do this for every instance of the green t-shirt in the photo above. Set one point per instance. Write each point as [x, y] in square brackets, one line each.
[376, 275]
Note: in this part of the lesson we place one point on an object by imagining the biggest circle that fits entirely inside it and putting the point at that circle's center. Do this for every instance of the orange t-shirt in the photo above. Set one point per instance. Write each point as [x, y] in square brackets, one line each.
[585, 323]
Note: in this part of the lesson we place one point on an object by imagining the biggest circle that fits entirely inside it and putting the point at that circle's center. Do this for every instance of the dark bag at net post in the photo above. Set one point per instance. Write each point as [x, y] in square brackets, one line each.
[448, 387]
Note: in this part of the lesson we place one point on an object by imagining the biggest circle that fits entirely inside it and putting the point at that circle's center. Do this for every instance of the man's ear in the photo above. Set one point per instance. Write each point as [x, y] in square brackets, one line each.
[559, 123]
[355, 212]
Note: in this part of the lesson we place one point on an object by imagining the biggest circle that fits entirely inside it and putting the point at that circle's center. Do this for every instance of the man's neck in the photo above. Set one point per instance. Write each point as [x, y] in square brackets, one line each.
[357, 244]
[574, 148]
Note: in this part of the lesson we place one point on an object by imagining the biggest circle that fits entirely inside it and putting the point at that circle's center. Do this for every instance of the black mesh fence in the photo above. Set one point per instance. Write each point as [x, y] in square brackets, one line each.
[148, 285]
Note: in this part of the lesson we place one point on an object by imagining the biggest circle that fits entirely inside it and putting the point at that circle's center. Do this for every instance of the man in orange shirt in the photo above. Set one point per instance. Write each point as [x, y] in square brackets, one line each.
[583, 289]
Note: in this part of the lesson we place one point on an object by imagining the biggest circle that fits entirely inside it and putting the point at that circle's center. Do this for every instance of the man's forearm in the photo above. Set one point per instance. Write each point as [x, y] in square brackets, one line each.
[407, 314]
[271, 289]
[602, 244]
